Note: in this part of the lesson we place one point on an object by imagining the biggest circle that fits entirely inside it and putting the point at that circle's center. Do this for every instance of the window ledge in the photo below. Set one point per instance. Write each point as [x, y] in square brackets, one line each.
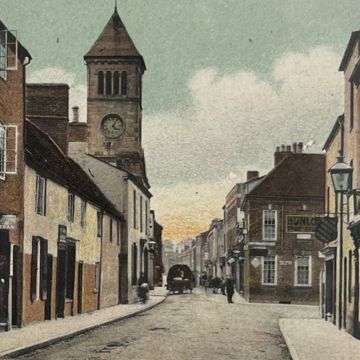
[303, 286]
[68, 300]
[272, 285]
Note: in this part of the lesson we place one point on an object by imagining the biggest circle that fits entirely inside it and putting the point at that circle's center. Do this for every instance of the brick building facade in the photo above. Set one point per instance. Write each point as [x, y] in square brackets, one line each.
[281, 253]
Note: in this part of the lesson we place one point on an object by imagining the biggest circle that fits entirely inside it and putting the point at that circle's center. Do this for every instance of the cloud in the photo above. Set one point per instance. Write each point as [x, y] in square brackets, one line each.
[233, 124]
[78, 92]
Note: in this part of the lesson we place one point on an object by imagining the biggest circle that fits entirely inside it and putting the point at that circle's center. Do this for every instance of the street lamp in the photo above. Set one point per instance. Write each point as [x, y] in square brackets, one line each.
[341, 176]
[151, 244]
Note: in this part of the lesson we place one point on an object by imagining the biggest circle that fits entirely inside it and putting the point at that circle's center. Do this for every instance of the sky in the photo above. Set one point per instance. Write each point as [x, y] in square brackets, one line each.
[226, 82]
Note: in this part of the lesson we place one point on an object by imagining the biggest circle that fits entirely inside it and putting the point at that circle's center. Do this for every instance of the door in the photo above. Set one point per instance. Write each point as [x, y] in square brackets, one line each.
[61, 281]
[80, 288]
[329, 290]
[49, 287]
[345, 293]
[146, 265]
[4, 276]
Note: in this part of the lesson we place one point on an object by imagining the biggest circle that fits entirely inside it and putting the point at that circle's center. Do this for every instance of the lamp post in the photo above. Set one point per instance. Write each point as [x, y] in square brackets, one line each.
[341, 176]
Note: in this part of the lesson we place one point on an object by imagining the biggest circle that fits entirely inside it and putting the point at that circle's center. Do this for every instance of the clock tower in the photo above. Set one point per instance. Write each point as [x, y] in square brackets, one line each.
[114, 101]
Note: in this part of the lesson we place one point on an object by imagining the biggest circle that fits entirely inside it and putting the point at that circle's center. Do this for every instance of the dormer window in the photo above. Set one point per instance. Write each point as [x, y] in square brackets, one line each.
[108, 83]
[124, 83]
[101, 83]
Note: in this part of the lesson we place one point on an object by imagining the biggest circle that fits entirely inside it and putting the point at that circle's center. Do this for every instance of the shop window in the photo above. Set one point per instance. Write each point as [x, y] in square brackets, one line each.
[101, 82]
[40, 195]
[71, 207]
[270, 225]
[303, 271]
[38, 281]
[269, 270]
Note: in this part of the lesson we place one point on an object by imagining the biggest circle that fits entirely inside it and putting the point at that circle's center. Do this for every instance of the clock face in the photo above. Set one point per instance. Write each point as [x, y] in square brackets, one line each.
[112, 126]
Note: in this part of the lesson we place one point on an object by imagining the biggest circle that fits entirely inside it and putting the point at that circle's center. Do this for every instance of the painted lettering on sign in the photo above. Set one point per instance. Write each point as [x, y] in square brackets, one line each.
[300, 223]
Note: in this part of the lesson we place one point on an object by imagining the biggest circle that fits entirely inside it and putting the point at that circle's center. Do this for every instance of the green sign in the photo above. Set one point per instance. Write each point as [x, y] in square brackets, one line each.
[301, 223]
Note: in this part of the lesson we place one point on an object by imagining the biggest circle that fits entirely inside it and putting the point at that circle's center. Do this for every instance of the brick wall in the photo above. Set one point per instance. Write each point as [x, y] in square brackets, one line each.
[47, 105]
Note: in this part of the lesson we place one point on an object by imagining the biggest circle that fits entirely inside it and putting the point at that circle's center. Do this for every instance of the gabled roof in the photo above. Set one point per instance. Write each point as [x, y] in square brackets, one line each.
[46, 158]
[298, 175]
[337, 126]
[353, 38]
[114, 41]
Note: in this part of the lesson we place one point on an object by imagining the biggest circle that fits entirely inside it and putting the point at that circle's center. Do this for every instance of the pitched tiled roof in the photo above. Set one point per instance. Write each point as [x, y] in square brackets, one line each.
[298, 175]
[353, 38]
[45, 157]
[114, 41]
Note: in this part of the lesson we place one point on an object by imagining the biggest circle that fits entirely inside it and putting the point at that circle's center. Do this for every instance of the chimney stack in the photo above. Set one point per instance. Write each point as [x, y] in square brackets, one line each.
[75, 110]
[252, 175]
[283, 148]
[294, 146]
[288, 148]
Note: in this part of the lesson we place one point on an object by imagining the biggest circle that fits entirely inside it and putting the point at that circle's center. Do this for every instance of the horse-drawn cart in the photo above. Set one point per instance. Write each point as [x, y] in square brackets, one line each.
[179, 279]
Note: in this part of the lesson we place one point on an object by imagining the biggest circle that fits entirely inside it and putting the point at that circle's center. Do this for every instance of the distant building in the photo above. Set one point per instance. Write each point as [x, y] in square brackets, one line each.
[281, 252]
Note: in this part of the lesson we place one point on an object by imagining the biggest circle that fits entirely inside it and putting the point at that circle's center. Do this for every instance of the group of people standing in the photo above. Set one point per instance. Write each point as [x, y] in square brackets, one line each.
[226, 285]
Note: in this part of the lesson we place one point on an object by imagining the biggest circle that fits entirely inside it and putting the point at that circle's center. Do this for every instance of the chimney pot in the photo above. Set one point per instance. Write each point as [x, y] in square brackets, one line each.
[277, 149]
[75, 110]
[288, 148]
[300, 147]
[283, 148]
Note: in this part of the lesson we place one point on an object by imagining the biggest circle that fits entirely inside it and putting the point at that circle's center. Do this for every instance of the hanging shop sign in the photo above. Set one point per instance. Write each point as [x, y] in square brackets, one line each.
[326, 229]
[301, 223]
[8, 222]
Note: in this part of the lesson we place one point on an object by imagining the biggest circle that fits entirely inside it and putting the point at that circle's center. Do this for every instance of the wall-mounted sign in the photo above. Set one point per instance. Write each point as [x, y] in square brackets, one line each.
[300, 223]
[8, 222]
[303, 236]
[285, 262]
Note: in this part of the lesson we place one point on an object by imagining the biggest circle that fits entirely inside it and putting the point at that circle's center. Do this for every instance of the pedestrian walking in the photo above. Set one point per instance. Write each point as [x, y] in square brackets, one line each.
[229, 286]
[223, 285]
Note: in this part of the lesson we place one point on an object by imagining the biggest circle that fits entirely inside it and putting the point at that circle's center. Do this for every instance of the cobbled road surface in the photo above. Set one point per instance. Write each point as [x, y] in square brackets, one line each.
[190, 326]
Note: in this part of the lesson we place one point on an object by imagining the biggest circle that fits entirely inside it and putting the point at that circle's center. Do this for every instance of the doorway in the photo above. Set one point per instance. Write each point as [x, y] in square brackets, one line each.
[345, 293]
[329, 289]
[80, 288]
[4, 277]
[49, 287]
[61, 280]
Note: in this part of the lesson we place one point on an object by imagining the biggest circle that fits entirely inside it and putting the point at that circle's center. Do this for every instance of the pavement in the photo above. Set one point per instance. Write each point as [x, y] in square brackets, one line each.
[195, 326]
[317, 339]
[35, 336]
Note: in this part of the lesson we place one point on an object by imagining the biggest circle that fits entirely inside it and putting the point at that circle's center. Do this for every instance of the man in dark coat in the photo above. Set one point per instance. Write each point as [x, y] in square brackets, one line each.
[229, 286]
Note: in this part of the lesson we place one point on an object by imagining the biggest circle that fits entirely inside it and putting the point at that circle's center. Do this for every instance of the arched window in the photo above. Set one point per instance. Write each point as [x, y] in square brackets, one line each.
[108, 83]
[101, 83]
[124, 83]
[116, 83]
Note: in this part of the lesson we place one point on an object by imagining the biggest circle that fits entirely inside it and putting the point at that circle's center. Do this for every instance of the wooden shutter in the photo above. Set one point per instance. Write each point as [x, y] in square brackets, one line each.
[43, 268]
[34, 255]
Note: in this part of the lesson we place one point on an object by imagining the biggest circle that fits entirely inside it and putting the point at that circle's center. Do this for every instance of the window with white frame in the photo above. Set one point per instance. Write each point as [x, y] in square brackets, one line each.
[303, 271]
[269, 270]
[8, 51]
[8, 150]
[269, 225]
[40, 195]
[99, 224]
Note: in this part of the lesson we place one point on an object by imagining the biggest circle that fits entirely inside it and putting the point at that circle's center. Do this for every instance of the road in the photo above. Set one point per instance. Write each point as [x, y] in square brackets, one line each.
[189, 326]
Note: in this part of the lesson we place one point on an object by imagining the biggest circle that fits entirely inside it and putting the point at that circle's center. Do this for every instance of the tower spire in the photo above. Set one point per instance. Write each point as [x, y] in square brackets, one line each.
[116, 7]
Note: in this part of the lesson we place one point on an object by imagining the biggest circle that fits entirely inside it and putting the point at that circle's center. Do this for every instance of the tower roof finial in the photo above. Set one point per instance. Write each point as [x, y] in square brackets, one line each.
[116, 7]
